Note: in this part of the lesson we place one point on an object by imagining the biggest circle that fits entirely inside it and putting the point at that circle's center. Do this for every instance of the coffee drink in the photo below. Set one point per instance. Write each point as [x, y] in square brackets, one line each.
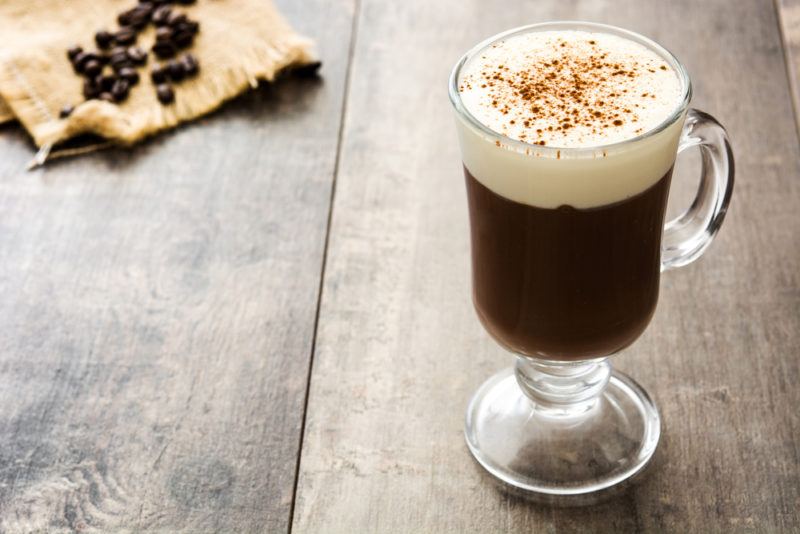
[568, 145]
[569, 132]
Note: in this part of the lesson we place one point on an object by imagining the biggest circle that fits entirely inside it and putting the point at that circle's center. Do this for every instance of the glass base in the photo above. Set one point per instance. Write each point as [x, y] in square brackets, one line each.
[557, 455]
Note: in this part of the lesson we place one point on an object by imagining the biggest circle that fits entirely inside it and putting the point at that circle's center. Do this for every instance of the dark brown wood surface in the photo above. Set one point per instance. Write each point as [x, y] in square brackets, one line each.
[158, 318]
[158, 309]
[399, 350]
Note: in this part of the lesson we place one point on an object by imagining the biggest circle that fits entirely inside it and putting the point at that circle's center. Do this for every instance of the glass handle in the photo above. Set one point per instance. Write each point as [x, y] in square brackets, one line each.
[687, 236]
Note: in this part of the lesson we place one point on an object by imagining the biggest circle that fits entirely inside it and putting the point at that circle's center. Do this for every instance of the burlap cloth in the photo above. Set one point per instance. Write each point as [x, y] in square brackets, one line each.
[5, 113]
[240, 42]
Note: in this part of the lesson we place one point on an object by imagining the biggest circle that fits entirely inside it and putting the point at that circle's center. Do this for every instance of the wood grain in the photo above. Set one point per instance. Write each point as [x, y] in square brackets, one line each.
[158, 310]
[399, 350]
[789, 15]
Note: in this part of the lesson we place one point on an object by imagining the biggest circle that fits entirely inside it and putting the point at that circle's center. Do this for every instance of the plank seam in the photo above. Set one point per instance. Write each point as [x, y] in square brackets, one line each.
[336, 164]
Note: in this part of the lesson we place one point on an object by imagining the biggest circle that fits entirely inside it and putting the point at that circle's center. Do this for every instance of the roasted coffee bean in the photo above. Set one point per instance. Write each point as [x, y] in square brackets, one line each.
[74, 51]
[103, 39]
[191, 26]
[124, 18]
[165, 93]
[164, 49]
[158, 74]
[119, 60]
[146, 7]
[164, 33]
[175, 70]
[119, 67]
[92, 68]
[83, 59]
[183, 39]
[190, 64]
[176, 19]
[137, 55]
[126, 36]
[118, 51]
[66, 111]
[136, 17]
[90, 90]
[118, 55]
[140, 17]
[105, 81]
[120, 90]
[79, 61]
[94, 56]
[307, 71]
[108, 97]
[138, 24]
[186, 2]
[161, 15]
[130, 75]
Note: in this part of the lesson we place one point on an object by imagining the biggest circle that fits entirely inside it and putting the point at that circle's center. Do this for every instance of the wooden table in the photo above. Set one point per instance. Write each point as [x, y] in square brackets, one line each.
[261, 322]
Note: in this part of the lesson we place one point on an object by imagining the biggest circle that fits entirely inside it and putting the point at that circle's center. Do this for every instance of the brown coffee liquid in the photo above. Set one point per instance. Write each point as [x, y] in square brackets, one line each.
[566, 283]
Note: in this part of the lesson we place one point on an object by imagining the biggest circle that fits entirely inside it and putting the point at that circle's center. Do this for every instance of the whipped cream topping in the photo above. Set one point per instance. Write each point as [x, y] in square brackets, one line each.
[569, 88]
[567, 95]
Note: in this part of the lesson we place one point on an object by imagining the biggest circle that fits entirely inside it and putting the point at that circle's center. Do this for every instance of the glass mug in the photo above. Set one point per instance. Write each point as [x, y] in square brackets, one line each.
[564, 288]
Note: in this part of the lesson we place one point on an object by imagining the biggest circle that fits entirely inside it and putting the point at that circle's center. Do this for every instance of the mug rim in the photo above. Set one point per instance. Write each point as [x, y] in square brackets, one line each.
[525, 147]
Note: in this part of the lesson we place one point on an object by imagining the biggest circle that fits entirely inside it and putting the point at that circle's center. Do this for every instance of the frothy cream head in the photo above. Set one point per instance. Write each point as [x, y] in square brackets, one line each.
[556, 100]
[569, 88]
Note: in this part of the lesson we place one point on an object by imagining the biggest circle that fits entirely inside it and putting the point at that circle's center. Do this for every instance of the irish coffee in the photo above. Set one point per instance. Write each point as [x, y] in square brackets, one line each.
[569, 132]
[566, 218]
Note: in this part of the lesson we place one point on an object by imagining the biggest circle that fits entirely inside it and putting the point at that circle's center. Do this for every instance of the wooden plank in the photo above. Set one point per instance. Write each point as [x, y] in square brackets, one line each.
[399, 349]
[158, 310]
[789, 16]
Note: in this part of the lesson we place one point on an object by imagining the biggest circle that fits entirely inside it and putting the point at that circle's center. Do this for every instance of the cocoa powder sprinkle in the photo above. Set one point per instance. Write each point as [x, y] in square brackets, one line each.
[562, 92]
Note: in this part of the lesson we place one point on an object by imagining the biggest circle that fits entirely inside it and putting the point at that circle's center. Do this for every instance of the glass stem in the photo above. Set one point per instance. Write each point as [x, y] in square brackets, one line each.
[563, 388]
